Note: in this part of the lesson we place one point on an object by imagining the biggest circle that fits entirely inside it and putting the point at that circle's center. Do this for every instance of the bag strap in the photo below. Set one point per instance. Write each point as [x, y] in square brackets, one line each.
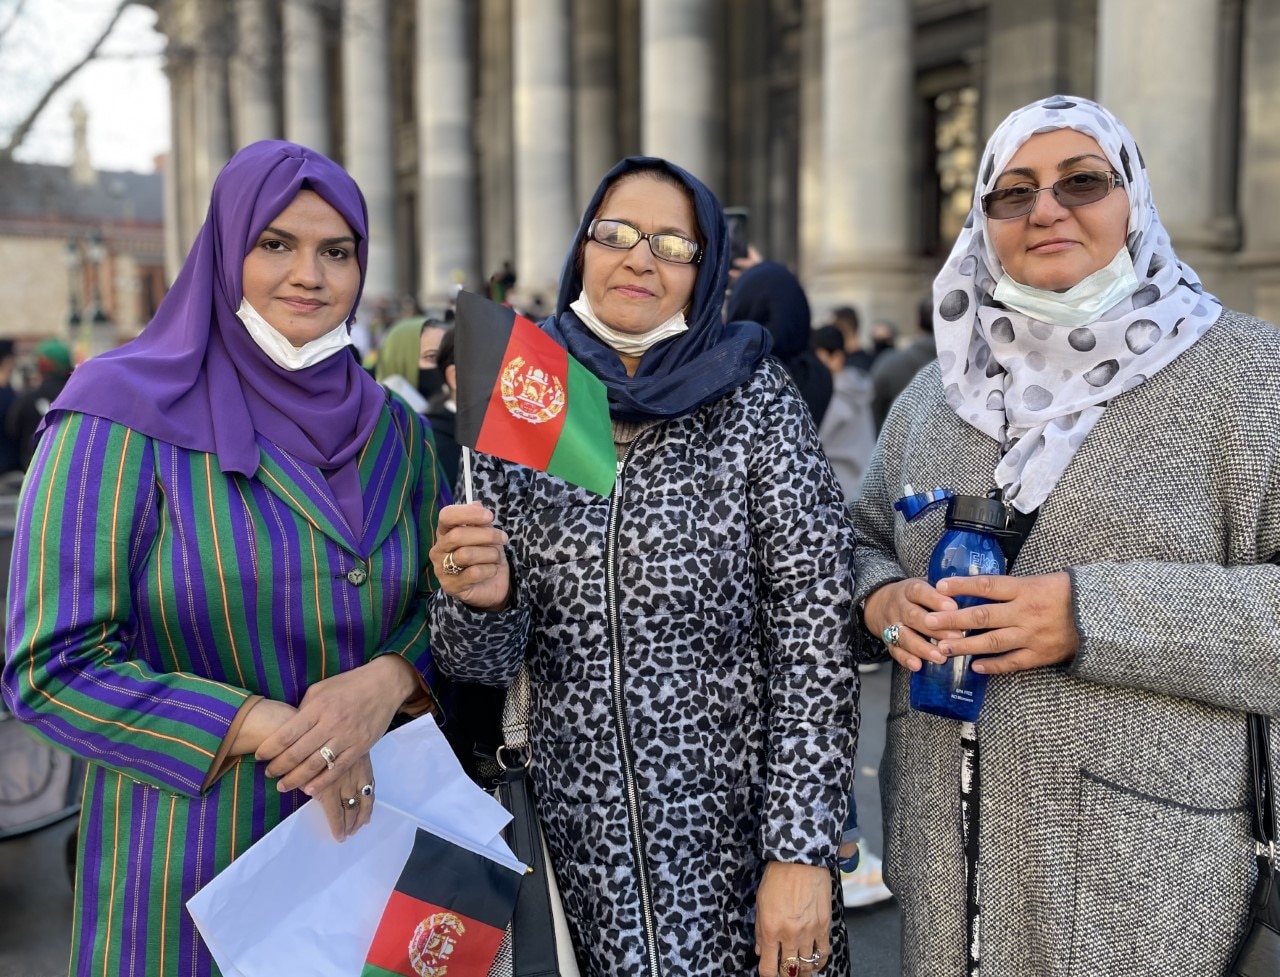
[1264, 823]
[515, 713]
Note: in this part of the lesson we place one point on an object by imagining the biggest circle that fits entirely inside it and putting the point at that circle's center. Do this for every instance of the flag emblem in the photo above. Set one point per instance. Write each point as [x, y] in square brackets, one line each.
[530, 394]
[433, 942]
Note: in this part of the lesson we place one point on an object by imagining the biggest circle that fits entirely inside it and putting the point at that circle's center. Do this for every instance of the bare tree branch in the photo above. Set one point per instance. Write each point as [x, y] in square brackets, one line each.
[24, 127]
[17, 12]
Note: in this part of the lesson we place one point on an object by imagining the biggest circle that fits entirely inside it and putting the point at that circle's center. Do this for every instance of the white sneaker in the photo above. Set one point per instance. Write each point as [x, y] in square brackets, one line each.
[864, 886]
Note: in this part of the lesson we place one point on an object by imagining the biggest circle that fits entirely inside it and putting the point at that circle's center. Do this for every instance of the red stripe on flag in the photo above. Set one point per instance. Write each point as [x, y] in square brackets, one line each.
[415, 934]
[529, 400]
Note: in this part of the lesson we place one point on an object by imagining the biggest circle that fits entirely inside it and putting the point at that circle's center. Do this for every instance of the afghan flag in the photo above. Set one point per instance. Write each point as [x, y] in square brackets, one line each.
[522, 397]
[450, 910]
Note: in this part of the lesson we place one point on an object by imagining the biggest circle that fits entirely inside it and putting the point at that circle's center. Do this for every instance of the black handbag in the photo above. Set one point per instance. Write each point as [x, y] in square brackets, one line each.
[1259, 952]
[537, 944]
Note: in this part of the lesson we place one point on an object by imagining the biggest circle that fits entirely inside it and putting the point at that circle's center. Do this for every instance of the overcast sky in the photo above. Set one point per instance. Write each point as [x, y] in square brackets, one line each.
[125, 90]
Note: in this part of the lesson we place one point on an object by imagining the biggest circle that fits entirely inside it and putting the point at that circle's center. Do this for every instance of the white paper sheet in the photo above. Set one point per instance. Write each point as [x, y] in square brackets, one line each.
[298, 902]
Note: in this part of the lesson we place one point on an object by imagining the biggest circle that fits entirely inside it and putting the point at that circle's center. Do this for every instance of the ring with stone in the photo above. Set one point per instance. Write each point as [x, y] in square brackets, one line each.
[366, 790]
[891, 634]
[328, 756]
[351, 802]
[450, 564]
[817, 955]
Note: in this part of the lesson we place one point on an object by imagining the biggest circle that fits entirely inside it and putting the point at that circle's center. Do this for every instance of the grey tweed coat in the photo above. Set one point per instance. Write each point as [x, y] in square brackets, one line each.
[694, 699]
[1114, 833]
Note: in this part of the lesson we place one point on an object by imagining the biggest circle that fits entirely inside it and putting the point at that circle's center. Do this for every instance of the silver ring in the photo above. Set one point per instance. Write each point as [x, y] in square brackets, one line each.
[891, 634]
[366, 790]
[328, 756]
[351, 802]
[450, 564]
[817, 955]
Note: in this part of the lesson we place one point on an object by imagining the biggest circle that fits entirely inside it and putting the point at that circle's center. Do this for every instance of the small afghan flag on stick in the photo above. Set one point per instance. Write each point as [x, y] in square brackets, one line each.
[450, 910]
[522, 397]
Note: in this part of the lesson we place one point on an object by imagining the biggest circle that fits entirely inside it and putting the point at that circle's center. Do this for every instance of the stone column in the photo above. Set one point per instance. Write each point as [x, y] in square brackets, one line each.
[1158, 72]
[868, 199]
[1260, 169]
[545, 214]
[1034, 48]
[446, 171]
[252, 96]
[680, 118]
[187, 153]
[176, 238]
[368, 151]
[495, 132]
[306, 83]
[595, 94]
[212, 115]
[809, 235]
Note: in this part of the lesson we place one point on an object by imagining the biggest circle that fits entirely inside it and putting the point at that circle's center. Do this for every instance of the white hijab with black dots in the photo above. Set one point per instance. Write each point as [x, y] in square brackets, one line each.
[1039, 388]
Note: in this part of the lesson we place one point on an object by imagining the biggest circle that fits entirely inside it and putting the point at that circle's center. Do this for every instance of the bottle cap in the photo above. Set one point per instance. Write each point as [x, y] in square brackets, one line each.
[978, 512]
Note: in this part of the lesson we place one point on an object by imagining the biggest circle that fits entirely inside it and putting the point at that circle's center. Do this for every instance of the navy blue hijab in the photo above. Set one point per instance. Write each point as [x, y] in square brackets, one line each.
[677, 375]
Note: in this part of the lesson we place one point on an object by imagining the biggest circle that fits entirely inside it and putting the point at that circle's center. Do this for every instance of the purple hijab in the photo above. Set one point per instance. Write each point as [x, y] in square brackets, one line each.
[195, 378]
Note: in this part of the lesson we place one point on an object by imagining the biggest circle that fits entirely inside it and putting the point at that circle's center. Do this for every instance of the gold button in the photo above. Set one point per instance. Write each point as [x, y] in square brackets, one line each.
[356, 576]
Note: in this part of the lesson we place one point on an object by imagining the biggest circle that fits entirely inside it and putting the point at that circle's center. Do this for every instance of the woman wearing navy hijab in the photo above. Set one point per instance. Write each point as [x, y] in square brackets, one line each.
[694, 700]
[219, 578]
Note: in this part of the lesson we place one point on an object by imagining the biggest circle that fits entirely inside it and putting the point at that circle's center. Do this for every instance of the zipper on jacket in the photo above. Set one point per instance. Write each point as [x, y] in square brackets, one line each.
[620, 718]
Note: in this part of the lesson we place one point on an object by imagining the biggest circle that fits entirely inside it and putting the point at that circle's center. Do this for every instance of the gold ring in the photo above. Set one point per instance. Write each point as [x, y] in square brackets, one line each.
[352, 802]
[328, 756]
[790, 967]
[450, 564]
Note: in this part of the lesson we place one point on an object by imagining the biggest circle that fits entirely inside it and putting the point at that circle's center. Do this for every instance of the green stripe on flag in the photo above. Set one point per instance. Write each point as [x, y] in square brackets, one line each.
[585, 454]
[372, 970]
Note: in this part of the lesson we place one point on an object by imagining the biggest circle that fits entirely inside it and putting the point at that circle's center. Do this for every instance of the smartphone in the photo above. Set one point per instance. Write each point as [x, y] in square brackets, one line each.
[738, 237]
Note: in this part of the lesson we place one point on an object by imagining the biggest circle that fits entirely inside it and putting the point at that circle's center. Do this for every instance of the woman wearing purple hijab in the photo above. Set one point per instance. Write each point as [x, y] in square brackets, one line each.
[220, 572]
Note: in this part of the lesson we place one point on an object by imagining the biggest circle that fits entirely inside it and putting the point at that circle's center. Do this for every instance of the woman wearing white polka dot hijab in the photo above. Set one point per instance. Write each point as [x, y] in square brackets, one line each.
[1087, 380]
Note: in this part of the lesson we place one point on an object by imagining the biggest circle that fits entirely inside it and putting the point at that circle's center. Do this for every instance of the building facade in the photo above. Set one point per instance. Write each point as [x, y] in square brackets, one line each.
[848, 129]
[82, 250]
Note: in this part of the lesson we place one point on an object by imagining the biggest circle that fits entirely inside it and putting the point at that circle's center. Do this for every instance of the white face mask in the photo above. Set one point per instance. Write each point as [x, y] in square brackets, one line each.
[1079, 305]
[282, 352]
[625, 342]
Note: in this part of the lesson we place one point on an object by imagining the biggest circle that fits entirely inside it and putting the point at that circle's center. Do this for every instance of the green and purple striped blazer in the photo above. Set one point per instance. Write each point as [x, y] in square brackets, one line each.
[150, 595]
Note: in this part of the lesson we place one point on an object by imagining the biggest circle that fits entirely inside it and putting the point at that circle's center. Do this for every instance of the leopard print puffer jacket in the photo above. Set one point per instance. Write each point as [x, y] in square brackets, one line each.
[695, 701]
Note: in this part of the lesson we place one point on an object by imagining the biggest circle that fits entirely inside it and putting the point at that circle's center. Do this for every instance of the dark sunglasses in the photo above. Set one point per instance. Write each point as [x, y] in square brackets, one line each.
[621, 236]
[1075, 190]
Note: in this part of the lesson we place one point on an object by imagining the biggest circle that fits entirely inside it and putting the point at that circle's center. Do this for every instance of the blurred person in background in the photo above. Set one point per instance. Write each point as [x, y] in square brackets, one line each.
[53, 368]
[847, 433]
[768, 293]
[407, 361]
[891, 373]
[442, 410]
[8, 396]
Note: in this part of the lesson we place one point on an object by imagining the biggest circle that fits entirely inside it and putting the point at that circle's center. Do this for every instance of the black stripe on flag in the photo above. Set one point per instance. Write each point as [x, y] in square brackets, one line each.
[440, 873]
[481, 334]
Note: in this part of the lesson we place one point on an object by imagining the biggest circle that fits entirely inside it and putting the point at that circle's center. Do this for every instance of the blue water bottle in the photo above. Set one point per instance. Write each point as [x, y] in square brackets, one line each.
[969, 546]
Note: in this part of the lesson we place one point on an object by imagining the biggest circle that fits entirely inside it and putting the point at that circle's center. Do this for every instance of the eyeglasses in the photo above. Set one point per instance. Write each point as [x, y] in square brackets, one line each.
[621, 236]
[1075, 190]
